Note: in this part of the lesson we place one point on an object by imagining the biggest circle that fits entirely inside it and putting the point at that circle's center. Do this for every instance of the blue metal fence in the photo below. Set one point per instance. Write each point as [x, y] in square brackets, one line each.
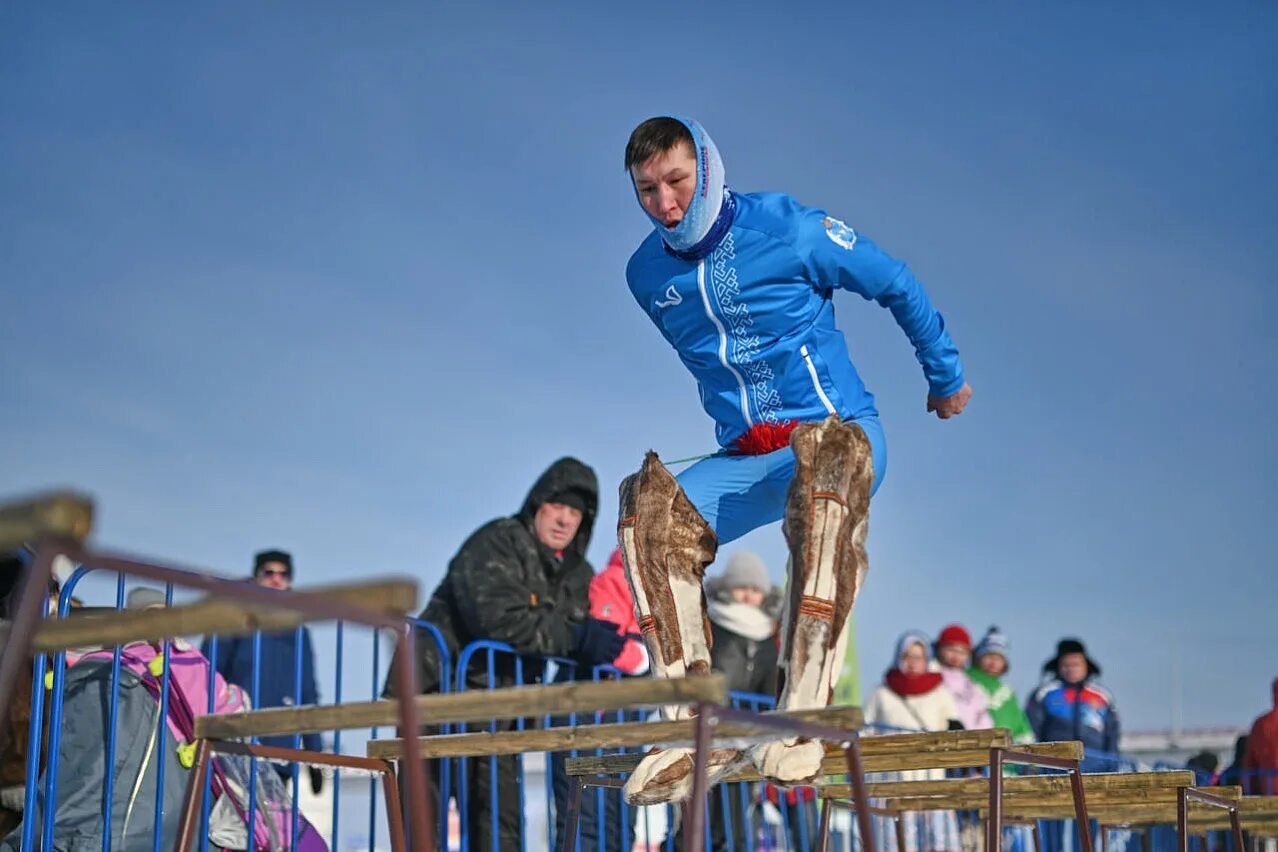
[49, 695]
[746, 818]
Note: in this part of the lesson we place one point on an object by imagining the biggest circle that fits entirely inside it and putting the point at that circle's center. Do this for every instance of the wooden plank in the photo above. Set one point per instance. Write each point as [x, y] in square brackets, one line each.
[1141, 811]
[1199, 819]
[1014, 785]
[470, 706]
[931, 742]
[1022, 803]
[221, 616]
[960, 759]
[618, 735]
[1255, 804]
[879, 747]
[55, 514]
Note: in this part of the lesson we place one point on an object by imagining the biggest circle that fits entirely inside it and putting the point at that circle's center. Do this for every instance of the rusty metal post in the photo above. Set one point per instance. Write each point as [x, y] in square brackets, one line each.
[25, 620]
[994, 823]
[1080, 809]
[421, 820]
[900, 832]
[394, 811]
[569, 841]
[1235, 826]
[695, 840]
[823, 834]
[1182, 819]
[1038, 838]
[193, 801]
[1104, 837]
[852, 754]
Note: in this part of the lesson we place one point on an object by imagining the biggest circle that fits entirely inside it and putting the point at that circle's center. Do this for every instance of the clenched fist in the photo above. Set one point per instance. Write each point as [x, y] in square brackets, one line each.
[950, 406]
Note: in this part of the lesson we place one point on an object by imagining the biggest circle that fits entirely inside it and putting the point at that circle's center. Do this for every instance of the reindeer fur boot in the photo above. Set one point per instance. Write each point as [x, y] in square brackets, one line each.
[666, 546]
[826, 519]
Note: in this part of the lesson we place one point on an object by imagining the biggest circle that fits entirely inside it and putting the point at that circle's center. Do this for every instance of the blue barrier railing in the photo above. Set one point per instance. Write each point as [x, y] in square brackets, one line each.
[738, 805]
[49, 674]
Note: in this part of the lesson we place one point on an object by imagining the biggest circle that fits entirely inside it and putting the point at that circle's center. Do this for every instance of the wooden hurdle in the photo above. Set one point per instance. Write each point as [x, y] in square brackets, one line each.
[712, 721]
[1023, 792]
[57, 525]
[838, 726]
[1192, 811]
[951, 750]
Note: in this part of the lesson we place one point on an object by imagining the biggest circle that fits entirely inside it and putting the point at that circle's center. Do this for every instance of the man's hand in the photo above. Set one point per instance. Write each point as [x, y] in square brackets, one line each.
[950, 406]
[596, 642]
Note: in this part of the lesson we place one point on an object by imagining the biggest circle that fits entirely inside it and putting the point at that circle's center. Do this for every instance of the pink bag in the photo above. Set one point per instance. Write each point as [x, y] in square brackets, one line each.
[273, 808]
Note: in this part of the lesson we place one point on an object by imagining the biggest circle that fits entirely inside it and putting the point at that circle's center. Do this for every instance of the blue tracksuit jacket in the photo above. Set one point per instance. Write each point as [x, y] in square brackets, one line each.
[754, 321]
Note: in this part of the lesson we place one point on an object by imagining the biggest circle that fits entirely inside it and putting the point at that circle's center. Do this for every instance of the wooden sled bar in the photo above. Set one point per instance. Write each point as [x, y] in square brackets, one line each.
[472, 706]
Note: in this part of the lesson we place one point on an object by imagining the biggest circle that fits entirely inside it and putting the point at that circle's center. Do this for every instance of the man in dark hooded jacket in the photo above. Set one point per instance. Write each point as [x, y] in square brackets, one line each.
[523, 580]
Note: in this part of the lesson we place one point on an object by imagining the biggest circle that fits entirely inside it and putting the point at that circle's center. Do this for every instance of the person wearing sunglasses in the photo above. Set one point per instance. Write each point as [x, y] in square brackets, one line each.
[277, 665]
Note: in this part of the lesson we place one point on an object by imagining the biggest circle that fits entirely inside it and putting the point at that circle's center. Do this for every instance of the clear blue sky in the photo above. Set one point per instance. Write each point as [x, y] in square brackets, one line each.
[345, 279]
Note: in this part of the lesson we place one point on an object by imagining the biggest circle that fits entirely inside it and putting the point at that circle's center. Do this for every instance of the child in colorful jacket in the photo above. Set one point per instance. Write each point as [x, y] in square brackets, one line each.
[989, 666]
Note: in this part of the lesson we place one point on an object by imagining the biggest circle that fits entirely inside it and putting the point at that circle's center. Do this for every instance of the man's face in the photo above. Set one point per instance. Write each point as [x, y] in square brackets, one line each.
[952, 655]
[992, 664]
[665, 183]
[914, 660]
[748, 595]
[273, 575]
[1072, 667]
[556, 524]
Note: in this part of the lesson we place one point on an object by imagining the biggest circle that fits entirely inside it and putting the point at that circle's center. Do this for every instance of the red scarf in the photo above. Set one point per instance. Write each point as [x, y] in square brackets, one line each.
[911, 684]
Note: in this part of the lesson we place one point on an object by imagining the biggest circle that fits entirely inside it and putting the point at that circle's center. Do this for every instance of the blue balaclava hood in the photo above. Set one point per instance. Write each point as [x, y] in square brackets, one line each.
[709, 214]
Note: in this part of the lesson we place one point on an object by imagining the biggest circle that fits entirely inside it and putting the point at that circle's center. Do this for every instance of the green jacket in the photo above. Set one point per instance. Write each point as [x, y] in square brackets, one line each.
[1004, 708]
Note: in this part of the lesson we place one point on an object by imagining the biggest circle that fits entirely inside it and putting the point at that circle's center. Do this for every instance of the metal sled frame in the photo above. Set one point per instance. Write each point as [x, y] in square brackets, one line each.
[207, 748]
[710, 717]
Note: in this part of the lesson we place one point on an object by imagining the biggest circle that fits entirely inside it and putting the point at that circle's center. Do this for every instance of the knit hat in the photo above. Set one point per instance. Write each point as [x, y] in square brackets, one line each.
[569, 497]
[144, 597]
[745, 569]
[1071, 645]
[280, 556]
[993, 642]
[954, 634]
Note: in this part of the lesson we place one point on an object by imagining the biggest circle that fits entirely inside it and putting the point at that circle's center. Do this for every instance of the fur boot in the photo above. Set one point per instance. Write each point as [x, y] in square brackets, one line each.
[826, 519]
[666, 546]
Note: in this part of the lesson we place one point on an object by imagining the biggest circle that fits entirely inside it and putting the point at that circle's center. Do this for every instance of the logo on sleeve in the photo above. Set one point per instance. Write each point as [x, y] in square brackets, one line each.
[839, 233]
[673, 297]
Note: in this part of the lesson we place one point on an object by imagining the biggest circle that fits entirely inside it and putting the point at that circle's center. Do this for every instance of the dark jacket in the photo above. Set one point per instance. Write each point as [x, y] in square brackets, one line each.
[276, 676]
[1084, 711]
[750, 664]
[505, 585]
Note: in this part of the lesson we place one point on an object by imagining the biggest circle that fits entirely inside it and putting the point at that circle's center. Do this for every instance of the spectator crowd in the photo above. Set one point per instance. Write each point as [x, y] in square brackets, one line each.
[524, 580]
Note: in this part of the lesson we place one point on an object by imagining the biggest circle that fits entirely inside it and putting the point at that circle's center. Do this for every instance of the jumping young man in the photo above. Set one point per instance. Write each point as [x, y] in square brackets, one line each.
[742, 286]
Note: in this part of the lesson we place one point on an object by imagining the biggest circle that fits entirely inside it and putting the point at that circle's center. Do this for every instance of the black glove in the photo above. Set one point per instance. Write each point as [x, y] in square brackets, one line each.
[317, 779]
[596, 642]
